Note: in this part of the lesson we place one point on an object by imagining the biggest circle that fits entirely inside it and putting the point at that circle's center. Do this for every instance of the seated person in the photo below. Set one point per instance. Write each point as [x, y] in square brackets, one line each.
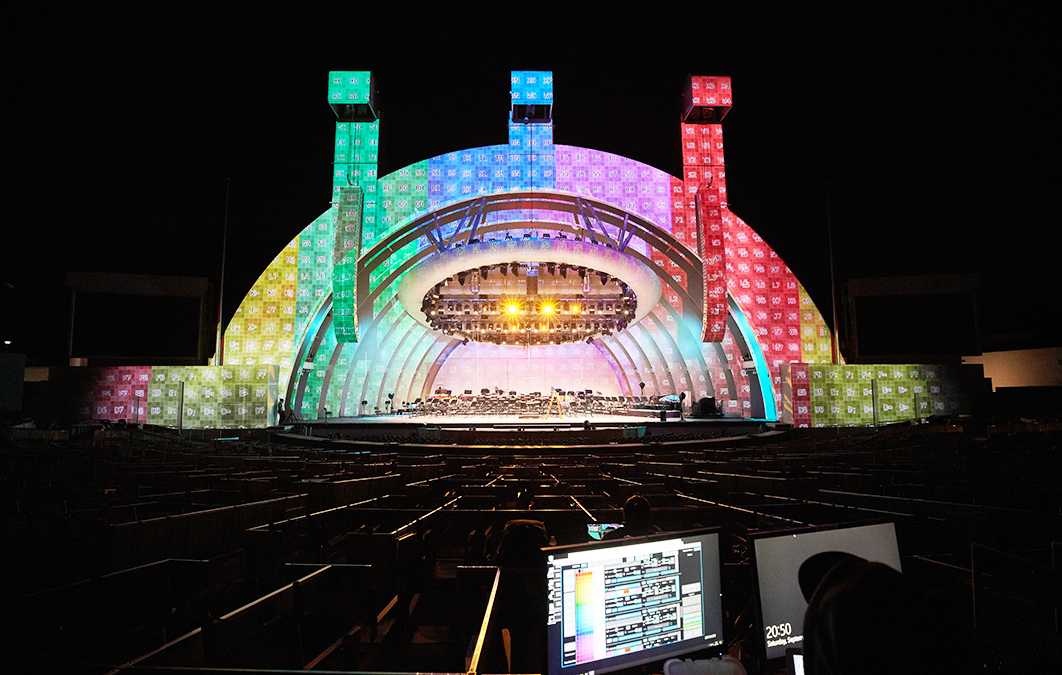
[521, 600]
[865, 617]
[637, 521]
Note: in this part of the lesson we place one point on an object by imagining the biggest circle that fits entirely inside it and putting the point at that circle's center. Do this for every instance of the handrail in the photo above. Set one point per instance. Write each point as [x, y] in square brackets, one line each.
[482, 637]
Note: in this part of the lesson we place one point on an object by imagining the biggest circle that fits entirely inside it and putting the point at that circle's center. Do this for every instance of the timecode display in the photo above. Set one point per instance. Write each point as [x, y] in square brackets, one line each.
[781, 634]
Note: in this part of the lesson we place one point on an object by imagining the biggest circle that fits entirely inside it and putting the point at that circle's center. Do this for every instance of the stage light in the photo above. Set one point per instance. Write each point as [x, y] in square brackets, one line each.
[512, 309]
[547, 308]
[575, 309]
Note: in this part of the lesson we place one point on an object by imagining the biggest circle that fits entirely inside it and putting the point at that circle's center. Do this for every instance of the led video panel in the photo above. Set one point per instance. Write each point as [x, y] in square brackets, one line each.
[850, 395]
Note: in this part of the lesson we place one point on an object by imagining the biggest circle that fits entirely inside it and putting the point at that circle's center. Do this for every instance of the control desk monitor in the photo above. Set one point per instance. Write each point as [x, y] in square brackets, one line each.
[622, 603]
[777, 557]
[597, 531]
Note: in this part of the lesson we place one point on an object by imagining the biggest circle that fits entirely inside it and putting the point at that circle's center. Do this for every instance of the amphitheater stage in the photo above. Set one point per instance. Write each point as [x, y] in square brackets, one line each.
[519, 430]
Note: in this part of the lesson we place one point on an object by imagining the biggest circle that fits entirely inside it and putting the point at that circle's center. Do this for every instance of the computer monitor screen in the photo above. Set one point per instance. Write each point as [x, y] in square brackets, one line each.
[597, 531]
[622, 603]
[778, 556]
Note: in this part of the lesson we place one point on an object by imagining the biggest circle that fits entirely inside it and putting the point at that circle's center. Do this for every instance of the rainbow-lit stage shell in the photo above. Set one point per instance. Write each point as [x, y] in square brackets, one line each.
[338, 312]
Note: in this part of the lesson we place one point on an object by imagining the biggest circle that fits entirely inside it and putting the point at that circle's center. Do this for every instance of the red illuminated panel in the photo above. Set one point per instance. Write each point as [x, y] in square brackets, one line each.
[704, 199]
[739, 401]
[115, 393]
[796, 395]
[711, 251]
[708, 98]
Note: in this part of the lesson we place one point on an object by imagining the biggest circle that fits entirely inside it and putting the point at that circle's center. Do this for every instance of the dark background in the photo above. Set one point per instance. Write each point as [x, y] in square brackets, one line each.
[934, 127]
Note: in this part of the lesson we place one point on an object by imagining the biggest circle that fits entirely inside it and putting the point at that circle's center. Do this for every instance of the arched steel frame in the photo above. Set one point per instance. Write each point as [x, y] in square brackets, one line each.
[469, 219]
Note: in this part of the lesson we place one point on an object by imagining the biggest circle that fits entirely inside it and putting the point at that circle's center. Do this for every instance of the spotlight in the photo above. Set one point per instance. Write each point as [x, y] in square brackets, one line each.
[461, 277]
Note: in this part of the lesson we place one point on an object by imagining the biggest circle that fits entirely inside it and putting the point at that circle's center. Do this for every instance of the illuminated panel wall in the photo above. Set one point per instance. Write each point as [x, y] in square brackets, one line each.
[843, 395]
[316, 379]
[263, 329]
[616, 180]
[710, 249]
[357, 139]
[350, 87]
[221, 397]
[346, 224]
[787, 325]
[218, 397]
[534, 137]
[114, 393]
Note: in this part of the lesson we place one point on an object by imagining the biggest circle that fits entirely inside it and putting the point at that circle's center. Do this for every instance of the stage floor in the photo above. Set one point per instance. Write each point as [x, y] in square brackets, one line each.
[511, 423]
[507, 420]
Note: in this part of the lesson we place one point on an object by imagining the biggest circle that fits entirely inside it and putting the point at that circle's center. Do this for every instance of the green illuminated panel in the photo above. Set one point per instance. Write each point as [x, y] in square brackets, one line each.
[345, 252]
[263, 329]
[844, 395]
[219, 397]
[350, 87]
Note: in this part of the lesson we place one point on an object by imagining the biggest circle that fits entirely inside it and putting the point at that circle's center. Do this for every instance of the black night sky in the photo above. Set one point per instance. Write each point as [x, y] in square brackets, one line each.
[934, 127]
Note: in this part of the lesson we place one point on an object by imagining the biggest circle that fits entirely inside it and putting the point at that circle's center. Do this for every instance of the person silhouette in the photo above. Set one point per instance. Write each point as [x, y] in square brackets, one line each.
[637, 521]
[866, 617]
